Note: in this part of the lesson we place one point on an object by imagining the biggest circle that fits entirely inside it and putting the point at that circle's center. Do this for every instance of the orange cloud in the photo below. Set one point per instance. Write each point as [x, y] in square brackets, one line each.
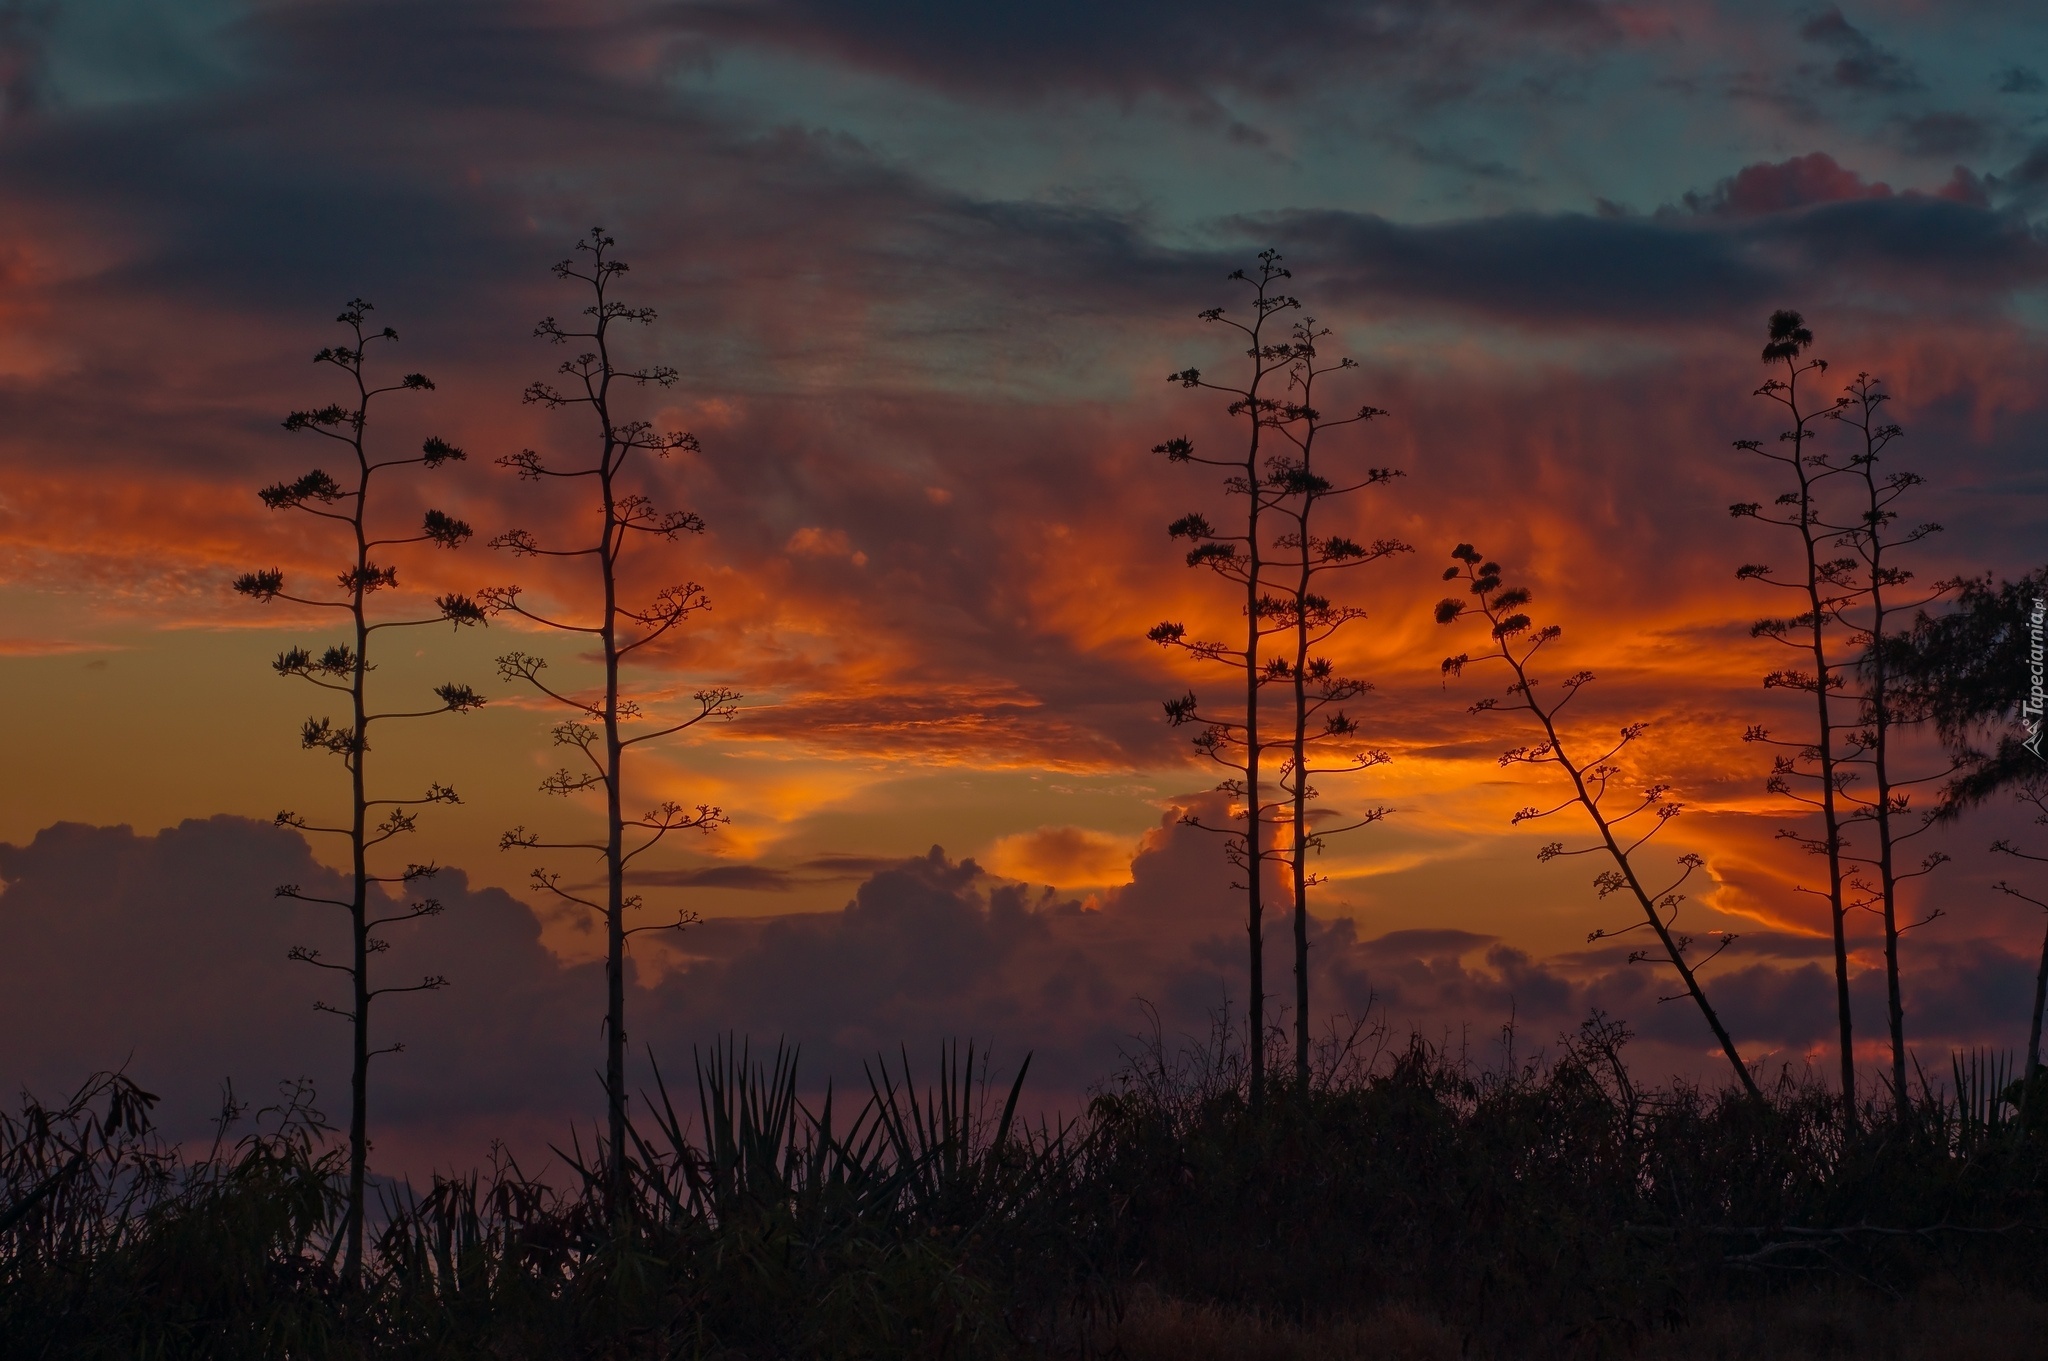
[1066, 857]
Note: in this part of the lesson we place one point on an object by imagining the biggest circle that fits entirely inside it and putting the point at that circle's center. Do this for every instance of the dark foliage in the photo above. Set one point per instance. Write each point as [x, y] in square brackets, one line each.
[1538, 1207]
[1542, 1203]
[934, 1223]
[1967, 670]
[1966, 667]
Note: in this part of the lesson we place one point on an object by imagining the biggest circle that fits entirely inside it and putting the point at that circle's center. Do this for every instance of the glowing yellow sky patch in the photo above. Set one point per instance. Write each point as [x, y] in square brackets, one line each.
[1066, 857]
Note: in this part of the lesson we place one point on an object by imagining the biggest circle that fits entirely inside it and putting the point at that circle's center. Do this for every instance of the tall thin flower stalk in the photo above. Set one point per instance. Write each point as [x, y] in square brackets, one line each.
[344, 670]
[1514, 642]
[1825, 586]
[1233, 738]
[1319, 723]
[1886, 600]
[607, 724]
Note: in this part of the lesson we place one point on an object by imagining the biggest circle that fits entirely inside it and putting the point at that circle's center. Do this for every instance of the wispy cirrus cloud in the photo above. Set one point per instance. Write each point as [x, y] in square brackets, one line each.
[51, 647]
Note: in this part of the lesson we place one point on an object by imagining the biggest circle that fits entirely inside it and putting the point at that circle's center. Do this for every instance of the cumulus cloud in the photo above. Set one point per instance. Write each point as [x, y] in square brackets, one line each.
[166, 953]
[1783, 186]
[1061, 855]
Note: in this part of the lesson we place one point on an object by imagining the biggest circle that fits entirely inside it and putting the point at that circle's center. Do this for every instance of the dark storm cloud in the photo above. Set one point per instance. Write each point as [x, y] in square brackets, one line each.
[1527, 266]
[308, 161]
[311, 177]
[1860, 64]
[1807, 226]
[250, 220]
[1919, 242]
[1946, 133]
[1183, 48]
[441, 151]
[2027, 182]
[272, 193]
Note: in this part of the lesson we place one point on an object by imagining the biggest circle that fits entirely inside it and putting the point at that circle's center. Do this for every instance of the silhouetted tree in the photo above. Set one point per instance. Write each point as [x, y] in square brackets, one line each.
[601, 729]
[1319, 720]
[1515, 642]
[1973, 670]
[1232, 737]
[1970, 670]
[2031, 788]
[1884, 600]
[344, 669]
[1824, 586]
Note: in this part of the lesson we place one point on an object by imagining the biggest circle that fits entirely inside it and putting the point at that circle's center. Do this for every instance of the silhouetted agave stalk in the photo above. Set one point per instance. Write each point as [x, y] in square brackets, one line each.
[1884, 600]
[1824, 587]
[344, 671]
[604, 727]
[1323, 737]
[1514, 642]
[1232, 738]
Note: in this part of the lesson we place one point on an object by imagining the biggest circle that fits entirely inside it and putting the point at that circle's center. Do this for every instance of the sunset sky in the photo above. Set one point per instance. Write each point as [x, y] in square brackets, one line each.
[923, 269]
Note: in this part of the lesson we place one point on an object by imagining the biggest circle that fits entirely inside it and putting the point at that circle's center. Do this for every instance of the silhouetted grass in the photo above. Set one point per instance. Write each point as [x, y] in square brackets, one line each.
[1407, 1203]
[1556, 1202]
